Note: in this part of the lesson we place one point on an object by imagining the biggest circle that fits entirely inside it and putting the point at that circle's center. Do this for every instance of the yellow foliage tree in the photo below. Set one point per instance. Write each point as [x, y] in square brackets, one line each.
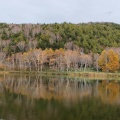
[102, 61]
[113, 63]
[109, 61]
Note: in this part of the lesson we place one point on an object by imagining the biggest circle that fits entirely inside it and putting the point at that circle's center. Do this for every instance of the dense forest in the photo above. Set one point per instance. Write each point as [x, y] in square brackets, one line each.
[90, 37]
[64, 46]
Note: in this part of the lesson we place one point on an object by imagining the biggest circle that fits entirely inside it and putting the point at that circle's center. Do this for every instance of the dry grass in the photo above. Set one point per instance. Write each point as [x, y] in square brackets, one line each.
[90, 75]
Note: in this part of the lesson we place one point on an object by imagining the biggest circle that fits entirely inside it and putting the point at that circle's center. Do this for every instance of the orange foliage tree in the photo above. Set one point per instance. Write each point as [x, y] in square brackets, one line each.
[109, 61]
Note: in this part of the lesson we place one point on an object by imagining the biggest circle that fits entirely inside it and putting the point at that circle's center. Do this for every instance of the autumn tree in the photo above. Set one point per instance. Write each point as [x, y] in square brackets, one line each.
[20, 61]
[85, 61]
[108, 61]
[50, 57]
[95, 61]
[36, 56]
[43, 59]
[59, 58]
[67, 58]
[75, 58]
[113, 61]
[103, 60]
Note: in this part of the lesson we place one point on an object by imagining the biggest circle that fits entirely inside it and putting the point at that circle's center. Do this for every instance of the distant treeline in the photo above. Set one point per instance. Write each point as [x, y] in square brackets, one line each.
[61, 60]
[90, 37]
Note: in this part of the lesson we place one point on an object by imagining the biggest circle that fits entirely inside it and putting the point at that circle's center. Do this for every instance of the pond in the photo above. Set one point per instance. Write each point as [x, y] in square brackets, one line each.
[28, 97]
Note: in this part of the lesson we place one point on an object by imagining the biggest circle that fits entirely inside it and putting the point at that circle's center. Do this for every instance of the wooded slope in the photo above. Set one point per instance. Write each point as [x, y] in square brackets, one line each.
[91, 37]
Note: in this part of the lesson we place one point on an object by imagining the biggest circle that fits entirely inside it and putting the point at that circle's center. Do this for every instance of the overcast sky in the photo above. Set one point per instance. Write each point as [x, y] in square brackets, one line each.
[51, 11]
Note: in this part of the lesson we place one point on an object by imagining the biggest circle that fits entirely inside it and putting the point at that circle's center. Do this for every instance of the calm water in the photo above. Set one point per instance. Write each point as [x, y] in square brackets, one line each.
[58, 98]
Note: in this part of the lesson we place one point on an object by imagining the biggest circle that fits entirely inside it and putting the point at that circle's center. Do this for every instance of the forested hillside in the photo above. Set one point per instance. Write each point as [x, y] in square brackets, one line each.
[90, 37]
[60, 47]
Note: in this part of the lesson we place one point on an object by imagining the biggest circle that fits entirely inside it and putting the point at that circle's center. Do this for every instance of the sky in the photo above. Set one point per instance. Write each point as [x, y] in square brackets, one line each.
[58, 11]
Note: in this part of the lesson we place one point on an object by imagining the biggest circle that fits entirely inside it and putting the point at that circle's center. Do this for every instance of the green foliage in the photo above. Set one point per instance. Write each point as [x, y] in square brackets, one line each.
[93, 37]
[3, 25]
[17, 37]
[4, 36]
[43, 44]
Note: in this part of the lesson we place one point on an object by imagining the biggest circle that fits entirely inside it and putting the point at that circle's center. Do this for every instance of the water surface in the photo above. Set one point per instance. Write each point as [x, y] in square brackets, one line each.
[24, 97]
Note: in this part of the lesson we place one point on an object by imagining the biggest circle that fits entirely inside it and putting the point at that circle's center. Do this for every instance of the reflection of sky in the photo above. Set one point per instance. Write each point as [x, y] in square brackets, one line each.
[50, 11]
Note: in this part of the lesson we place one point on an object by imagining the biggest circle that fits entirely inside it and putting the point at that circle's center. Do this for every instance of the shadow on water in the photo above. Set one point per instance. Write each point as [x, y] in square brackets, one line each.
[24, 97]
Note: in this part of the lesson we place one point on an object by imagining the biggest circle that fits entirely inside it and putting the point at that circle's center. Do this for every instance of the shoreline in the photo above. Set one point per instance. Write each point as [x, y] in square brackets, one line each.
[91, 75]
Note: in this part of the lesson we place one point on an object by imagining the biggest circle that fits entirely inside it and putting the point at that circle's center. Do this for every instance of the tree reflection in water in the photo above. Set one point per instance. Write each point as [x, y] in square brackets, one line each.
[41, 95]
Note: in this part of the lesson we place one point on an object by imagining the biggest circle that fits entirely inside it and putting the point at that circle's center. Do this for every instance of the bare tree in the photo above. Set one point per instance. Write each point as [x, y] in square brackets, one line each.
[34, 44]
[95, 61]
[21, 45]
[2, 57]
[85, 61]
[67, 58]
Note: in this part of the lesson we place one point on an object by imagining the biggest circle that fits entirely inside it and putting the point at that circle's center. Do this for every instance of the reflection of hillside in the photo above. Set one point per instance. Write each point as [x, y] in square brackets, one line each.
[68, 89]
[38, 87]
[109, 92]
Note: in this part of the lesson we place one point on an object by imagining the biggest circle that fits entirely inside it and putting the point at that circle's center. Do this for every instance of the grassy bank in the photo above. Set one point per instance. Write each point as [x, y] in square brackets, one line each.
[91, 75]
